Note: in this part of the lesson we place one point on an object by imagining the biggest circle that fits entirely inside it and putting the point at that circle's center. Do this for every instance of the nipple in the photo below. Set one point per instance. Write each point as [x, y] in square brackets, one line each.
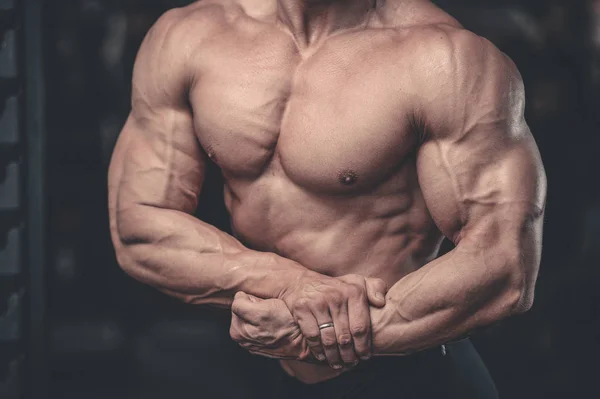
[210, 153]
[348, 177]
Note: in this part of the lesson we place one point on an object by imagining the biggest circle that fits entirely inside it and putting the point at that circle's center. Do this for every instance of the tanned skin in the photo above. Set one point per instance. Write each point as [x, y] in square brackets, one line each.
[352, 137]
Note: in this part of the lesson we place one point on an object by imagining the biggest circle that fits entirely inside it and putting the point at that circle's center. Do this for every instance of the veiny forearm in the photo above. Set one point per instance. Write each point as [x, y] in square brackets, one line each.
[437, 304]
[194, 261]
[471, 287]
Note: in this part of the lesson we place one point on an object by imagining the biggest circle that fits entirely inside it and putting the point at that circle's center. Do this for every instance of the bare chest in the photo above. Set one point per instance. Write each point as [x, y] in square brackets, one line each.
[332, 122]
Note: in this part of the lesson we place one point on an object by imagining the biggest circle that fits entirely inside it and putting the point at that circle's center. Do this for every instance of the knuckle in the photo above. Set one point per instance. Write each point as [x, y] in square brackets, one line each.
[359, 330]
[329, 342]
[345, 339]
[335, 297]
[300, 304]
[320, 306]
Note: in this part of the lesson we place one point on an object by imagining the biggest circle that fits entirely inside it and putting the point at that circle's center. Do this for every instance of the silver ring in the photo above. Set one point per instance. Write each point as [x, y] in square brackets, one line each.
[326, 325]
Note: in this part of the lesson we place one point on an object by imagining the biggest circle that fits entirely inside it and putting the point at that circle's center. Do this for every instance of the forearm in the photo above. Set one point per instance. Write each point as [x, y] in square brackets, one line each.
[448, 298]
[194, 261]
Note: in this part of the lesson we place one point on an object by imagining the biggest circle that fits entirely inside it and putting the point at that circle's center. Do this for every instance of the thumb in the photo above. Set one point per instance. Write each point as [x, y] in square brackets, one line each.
[376, 290]
[249, 308]
[241, 304]
[253, 299]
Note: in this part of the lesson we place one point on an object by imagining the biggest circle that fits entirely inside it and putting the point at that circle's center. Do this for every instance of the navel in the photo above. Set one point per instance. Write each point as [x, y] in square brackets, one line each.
[348, 177]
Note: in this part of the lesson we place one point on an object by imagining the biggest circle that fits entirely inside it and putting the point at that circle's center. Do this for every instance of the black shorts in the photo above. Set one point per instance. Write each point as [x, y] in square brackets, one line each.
[460, 373]
[197, 359]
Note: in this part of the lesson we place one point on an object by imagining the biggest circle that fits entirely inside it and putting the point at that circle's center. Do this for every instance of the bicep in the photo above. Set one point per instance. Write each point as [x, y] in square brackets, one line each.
[487, 194]
[478, 166]
[482, 183]
[158, 160]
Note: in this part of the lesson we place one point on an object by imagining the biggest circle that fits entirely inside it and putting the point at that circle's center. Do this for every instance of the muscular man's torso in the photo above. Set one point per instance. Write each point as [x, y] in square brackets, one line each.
[317, 145]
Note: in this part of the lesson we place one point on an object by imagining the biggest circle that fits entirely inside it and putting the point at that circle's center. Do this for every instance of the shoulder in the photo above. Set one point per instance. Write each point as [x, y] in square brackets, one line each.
[179, 34]
[460, 60]
[193, 23]
[163, 69]
[460, 80]
[459, 70]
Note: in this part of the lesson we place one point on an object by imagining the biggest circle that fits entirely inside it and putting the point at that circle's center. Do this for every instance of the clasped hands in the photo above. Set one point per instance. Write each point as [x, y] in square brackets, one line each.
[288, 327]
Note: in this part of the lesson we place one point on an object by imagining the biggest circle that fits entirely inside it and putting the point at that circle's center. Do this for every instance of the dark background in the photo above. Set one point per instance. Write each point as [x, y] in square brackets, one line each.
[110, 337]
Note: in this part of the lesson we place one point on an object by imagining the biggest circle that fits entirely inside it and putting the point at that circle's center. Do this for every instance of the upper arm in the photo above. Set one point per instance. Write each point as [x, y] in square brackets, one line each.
[479, 167]
[157, 160]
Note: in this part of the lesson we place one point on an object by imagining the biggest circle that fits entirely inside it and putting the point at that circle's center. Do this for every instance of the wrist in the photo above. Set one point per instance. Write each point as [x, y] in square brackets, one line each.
[262, 274]
[294, 279]
[379, 317]
[387, 326]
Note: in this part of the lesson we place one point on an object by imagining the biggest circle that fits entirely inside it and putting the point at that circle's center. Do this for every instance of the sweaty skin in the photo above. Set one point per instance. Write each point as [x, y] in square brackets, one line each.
[352, 138]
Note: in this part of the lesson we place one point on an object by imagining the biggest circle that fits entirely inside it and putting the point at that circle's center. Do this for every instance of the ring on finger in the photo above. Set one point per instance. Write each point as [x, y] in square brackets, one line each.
[326, 325]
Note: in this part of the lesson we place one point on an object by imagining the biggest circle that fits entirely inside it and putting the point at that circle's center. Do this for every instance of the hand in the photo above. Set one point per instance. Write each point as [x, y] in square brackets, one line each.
[266, 328]
[316, 299]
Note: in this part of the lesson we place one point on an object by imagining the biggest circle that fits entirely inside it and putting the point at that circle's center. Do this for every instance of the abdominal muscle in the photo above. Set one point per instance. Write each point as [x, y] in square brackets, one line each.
[378, 235]
[382, 235]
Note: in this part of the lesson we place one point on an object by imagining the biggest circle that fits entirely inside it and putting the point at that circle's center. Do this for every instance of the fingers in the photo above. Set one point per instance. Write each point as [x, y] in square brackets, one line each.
[251, 309]
[376, 290]
[329, 338]
[366, 291]
[343, 335]
[241, 306]
[309, 328]
[359, 318]
[234, 328]
[343, 301]
[253, 299]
